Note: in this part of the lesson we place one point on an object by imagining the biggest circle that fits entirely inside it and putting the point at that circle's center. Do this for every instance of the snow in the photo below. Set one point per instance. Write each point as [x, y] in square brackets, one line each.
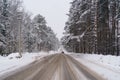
[77, 37]
[84, 13]
[10, 63]
[107, 66]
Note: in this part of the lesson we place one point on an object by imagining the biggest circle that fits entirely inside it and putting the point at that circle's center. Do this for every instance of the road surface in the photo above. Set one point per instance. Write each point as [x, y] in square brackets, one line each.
[54, 67]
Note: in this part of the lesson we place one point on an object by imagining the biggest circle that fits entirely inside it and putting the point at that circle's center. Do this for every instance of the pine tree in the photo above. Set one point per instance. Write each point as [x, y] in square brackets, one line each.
[3, 26]
[118, 27]
[91, 27]
[44, 38]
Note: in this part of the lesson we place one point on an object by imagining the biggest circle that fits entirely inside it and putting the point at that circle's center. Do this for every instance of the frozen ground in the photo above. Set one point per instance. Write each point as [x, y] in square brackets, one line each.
[107, 66]
[11, 63]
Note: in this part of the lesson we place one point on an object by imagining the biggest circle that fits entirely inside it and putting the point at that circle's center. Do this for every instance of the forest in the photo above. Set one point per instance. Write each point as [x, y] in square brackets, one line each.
[93, 26]
[18, 31]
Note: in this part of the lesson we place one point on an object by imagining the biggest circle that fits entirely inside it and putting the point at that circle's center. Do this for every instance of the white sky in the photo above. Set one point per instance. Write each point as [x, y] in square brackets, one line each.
[54, 12]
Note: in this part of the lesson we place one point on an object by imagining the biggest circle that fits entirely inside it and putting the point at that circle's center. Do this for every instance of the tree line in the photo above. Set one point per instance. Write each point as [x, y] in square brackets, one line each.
[93, 26]
[35, 34]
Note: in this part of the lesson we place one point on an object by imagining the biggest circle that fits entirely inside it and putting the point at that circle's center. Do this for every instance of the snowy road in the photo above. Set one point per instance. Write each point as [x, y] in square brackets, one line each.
[54, 67]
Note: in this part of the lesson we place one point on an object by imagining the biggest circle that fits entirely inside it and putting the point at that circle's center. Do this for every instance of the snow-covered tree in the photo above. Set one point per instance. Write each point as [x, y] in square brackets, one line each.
[79, 26]
[3, 25]
[93, 27]
[35, 34]
[44, 38]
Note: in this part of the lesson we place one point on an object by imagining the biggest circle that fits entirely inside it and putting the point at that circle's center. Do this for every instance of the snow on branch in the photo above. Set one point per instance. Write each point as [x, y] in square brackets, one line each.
[84, 13]
[76, 37]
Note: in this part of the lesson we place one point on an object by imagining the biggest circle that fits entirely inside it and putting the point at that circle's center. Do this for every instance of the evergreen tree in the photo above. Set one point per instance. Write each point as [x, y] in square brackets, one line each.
[93, 27]
[3, 26]
[44, 38]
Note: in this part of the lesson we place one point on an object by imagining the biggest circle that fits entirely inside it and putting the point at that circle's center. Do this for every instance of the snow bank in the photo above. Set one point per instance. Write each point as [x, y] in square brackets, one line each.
[109, 60]
[107, 66]
[11, 63]
[113, 61]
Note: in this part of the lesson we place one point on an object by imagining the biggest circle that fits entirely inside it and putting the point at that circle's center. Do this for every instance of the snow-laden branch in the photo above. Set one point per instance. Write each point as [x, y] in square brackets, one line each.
[84, 13]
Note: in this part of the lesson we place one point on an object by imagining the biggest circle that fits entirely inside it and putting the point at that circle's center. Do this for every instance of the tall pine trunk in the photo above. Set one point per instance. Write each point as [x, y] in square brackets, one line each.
[103, 27]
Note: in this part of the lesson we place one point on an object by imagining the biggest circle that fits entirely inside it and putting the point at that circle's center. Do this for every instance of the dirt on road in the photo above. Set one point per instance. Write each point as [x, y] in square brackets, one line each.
[54, 67]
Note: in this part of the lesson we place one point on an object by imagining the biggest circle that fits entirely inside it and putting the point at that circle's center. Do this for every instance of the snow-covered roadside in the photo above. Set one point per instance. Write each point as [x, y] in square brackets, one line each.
[106, 66]
[11, 63]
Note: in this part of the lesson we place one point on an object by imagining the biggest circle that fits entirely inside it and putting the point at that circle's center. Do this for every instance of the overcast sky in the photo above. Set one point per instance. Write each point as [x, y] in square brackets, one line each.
[54, 12]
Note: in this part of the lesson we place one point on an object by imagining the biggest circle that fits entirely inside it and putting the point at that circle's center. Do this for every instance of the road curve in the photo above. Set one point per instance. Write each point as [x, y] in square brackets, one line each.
[54, 67]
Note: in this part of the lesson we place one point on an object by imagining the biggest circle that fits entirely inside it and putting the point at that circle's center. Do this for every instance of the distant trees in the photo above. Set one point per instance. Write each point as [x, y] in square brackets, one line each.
[35, 34]
[44, 37]
[93, 27]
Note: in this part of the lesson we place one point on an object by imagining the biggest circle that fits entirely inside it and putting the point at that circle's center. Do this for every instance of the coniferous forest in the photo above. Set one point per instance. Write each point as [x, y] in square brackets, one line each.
[18, 31]
[93, 26]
